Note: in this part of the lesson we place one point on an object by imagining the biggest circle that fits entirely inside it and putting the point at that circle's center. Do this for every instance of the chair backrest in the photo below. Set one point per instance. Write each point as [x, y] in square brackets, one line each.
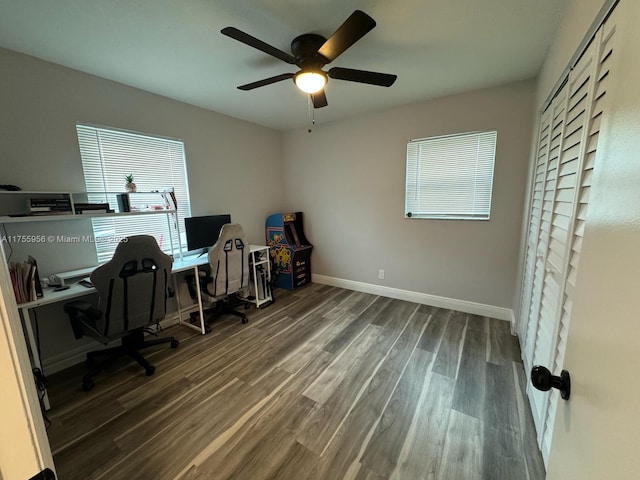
[132, 286]
[229, 261]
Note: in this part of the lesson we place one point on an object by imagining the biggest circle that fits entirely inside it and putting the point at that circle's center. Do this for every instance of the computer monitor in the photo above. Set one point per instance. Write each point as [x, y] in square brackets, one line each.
[203, 232]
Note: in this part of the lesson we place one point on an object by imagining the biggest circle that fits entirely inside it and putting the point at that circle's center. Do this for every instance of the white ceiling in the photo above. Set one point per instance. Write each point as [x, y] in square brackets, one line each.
[174, 48]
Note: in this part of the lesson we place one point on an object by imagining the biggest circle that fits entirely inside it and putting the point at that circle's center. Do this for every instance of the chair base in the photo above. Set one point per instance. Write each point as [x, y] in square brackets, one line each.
[221, 307]
[131, 346]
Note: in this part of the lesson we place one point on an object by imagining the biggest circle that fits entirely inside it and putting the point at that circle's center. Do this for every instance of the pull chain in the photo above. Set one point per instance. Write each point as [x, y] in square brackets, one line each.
[312, 115]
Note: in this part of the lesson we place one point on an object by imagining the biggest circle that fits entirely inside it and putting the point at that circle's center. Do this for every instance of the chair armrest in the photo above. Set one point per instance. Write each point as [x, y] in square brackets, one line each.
[81, 311]
[204, 278]
[82, 307]
[190, 279]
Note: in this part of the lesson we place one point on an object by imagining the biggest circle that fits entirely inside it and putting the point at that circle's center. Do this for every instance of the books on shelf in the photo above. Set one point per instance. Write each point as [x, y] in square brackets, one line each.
[25, 280]
[49, 206]
[93, 208]
[124, 204]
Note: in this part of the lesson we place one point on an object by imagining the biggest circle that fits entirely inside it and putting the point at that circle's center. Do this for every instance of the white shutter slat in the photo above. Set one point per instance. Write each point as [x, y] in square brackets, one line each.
[548, 243]
[531, 289]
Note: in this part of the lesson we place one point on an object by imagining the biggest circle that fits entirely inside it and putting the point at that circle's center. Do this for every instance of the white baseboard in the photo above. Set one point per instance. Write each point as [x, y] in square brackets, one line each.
[441, 302]
[77, 355]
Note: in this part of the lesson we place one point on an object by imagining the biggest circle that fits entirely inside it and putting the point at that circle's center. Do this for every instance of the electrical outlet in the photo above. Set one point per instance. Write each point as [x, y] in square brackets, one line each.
[381, 274]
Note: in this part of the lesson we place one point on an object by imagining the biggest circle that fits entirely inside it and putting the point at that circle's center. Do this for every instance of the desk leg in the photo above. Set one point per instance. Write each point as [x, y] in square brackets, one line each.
[33, 347]
[202, 325]
[175, 287]
[200, 329]
[254, 271]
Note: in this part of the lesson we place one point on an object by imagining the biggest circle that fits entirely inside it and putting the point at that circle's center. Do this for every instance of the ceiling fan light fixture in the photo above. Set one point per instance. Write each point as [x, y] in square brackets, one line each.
[310, 81]
[311, 52]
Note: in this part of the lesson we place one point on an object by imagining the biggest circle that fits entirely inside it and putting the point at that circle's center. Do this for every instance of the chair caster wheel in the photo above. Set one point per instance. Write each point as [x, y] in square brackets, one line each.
[150, 370]
[245, 320]
[174, 343]
[87, 385]
[247, 306]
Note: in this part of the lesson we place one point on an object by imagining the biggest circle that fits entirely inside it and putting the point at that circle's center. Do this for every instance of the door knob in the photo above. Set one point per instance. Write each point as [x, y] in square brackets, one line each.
[46, 474]
[542, 379]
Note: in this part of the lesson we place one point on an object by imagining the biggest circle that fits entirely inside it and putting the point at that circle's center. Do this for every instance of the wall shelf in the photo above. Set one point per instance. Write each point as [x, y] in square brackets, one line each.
[15, 205]
[77, 216]
[16, 208]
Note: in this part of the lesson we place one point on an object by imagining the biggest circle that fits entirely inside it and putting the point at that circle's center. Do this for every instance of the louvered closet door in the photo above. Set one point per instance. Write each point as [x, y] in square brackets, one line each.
[546, 182]
[562, 200]
[596, 63]
[560, 197]
[531, 258]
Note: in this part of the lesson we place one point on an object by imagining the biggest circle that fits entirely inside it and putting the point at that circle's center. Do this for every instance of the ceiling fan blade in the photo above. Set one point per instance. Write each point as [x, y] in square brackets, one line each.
[259, 44]
[266, 81]
[353, 29]
[362, 76]
[319, 99]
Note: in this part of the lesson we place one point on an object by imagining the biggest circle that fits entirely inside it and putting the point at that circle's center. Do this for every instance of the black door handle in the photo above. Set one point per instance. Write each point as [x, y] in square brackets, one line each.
[542, 379]
[46, 474]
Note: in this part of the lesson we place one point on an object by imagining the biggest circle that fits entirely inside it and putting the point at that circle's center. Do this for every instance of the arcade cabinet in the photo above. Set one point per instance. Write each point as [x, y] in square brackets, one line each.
[289, 249]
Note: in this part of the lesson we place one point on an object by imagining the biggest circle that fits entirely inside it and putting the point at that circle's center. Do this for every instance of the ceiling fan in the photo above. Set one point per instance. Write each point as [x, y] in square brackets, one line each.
[311, 52]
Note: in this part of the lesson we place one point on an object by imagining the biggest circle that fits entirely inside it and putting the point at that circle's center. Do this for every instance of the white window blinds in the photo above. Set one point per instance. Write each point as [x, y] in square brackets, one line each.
[450, 177]
[156, 163]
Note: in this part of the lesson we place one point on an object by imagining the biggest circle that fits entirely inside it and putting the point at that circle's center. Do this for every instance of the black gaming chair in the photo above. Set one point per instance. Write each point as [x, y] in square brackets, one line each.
[133, 288]
[227, 280]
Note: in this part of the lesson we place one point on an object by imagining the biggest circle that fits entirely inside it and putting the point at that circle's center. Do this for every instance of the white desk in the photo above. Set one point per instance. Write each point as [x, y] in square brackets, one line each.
[50, 296]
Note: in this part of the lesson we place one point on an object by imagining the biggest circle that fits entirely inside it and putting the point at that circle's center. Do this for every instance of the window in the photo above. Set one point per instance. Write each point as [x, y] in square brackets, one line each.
[450, 177]
[156, 163]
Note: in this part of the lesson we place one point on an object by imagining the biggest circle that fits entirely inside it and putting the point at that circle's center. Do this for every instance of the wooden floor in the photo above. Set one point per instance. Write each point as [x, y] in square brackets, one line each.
[325, 383]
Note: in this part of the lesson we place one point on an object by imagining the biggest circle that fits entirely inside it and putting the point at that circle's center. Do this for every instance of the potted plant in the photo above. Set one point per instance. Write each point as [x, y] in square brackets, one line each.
[129, 186]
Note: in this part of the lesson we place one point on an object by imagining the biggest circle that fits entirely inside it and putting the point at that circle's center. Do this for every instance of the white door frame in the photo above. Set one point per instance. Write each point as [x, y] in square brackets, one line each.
[24, 445]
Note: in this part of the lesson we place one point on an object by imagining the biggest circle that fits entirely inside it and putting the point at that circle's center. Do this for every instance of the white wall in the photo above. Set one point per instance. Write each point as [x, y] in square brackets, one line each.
[348, 179]
[233, 166]
[578, 17]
